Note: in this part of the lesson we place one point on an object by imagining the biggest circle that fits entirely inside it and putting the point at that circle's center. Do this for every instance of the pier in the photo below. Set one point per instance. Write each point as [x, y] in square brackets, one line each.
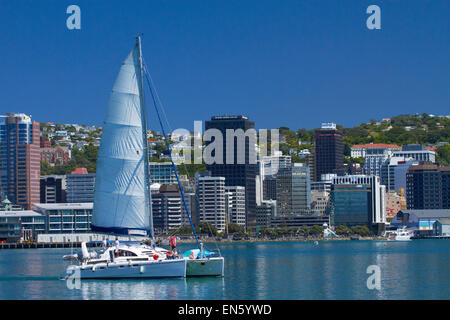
[36, 245]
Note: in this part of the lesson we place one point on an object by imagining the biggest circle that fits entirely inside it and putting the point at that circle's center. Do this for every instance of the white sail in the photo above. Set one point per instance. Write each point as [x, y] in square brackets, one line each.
[120, 204]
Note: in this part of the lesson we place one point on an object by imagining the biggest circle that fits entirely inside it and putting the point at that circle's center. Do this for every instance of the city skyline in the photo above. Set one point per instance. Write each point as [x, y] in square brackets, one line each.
[290, 58]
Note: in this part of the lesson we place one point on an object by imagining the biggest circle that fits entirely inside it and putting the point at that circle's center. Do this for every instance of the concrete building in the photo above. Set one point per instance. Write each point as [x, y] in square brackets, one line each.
[235, 205]
[320, 201]
[299, 221]
[374, 159]
[265, 213]
[442, 228]
[393, 172]
[210, 193]
[167, 207]
[19, 159]
[360, 150]
[20, 226]
[325, 183]
[53, 189]
[66, 217]
[417, 152]
[394, 203]
[350, 169]
[80, 186]
[422, 220]
[293, 190]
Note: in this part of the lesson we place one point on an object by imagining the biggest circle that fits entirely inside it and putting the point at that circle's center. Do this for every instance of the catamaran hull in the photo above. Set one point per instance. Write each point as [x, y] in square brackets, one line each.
[151, 269]
[205, 267]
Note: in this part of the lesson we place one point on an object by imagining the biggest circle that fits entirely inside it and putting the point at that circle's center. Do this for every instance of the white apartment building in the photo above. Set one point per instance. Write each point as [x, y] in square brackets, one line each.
[211, 201]
[235, 204]
[360, 150]
[419, 155]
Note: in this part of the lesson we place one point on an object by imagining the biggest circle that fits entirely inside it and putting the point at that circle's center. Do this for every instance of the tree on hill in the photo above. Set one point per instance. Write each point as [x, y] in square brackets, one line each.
[443, 155]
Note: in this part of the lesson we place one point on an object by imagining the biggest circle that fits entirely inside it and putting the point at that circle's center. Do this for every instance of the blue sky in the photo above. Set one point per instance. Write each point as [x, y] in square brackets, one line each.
[281, 63]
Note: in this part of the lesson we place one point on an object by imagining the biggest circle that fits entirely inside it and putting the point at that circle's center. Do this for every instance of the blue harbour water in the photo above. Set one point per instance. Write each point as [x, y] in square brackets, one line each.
[419, 269]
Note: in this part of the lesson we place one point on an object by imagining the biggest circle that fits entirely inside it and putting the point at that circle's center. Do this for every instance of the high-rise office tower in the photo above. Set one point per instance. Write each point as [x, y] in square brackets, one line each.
[20, 159]
[428, 187]
[294, 190]
[237, 174]
[270, 189]
[329, 150]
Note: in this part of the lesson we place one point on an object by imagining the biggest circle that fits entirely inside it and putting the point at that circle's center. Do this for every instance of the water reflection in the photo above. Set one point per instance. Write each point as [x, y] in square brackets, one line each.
[147, 289]
[275, 270]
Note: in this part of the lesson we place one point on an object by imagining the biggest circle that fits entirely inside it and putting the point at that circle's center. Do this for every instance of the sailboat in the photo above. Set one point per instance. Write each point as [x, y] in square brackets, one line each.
[122, 197]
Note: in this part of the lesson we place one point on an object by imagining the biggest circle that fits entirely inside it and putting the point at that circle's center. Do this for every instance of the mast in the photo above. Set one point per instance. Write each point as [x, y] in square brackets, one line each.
[148, 201]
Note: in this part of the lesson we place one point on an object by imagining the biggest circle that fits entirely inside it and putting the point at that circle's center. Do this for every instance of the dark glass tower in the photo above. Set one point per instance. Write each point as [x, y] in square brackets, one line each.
[329, 150]
[237, 174]
[427, 187]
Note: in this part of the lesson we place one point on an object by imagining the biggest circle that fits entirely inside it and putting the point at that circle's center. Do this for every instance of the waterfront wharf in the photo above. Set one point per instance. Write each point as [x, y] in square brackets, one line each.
[36, 245]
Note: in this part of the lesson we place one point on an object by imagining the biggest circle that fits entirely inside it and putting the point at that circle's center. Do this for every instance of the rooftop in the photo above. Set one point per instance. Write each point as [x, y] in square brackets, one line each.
[427, 213]
[80, 171]
[375, 145]
[62, 206]
[428, 166]
[226, 117]
[21, 213]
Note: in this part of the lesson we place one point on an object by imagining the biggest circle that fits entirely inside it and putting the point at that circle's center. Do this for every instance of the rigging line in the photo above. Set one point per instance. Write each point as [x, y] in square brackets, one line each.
[149, 77]
[170, 154]
[157, 95]
[161, 105]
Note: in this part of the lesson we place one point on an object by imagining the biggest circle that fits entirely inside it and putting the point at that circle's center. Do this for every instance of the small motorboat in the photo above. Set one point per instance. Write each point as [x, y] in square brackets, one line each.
[401, 234]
